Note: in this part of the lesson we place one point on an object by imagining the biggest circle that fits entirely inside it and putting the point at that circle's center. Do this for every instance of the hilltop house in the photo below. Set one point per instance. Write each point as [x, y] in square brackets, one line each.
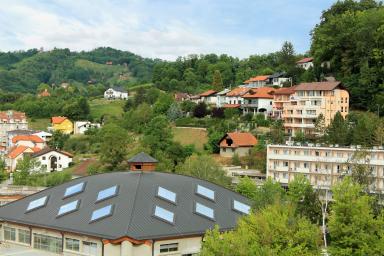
[182, 96]
[257, 81]
[116, 93]
[81, 127]
[279, 79]
[239, 143]
[209, 97]
[11, 120]
[305, 63]
[221, 98]
[53, 160]
[234, 98]
[258, 100]
[89, 215]
[61, 123]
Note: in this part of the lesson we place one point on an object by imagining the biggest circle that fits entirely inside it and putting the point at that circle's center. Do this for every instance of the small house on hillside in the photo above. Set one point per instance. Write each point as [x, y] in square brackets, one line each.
[82, 126]
[257, 81]
[53, 160]
[116, 93]
[239, 143]
[278, 79]
[44, 93]
[182, 96]
[61, 123]
[142, 162]
[209, 97]
[31, 141]
[15, 154]
[305, 63]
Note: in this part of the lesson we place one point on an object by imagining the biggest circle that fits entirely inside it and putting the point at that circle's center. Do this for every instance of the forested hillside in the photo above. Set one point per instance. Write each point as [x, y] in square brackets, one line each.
[24, 71]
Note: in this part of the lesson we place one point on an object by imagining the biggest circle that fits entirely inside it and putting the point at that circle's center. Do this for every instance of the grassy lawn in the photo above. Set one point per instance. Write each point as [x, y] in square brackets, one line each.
[100, 107]
[39, 124]
[186, 136]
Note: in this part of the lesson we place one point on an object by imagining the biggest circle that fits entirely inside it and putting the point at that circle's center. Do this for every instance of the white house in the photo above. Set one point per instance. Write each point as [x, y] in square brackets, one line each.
[46, 136]
[82, 126]
[221, 98]
[305, 63]
[31, 141]
[52, 159]
[116, 93]
[209, 97]
[259, 100]
[278, 79]
[235, 96]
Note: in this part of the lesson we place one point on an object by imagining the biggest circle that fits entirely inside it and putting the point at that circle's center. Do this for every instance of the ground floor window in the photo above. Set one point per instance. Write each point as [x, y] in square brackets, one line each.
[89, 248]
[9, 234]
[24, 236]
[47, 243]
[169, 247]
[72, 244]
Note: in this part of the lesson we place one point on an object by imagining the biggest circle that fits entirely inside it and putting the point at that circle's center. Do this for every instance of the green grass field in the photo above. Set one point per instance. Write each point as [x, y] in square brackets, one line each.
[100, 107]
[39, 124]
[186, 136]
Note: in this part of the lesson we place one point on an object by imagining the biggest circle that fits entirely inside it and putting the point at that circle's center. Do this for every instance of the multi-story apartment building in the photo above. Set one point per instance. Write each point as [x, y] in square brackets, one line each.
[11, 120]
[280, 97]
[309, 101]
[323, 166]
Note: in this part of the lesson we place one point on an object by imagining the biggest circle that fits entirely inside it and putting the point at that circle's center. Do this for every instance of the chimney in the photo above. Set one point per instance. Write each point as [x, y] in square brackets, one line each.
[142, 162]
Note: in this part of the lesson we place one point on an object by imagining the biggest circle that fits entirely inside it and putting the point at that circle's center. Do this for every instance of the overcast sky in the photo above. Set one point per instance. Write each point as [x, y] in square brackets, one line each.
[160, 28]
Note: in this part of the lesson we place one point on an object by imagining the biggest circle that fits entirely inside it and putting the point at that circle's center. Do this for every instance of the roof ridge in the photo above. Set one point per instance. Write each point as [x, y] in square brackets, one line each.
[134, 205]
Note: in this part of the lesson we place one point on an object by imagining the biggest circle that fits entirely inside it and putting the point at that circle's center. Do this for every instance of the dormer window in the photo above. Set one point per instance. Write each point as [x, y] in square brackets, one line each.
[229, 141]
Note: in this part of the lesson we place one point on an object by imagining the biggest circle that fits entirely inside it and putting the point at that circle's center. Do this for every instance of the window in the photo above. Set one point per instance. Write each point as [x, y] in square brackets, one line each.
[9, 234]
[166, 195]
[72, 244]
[107, 193]
[204, 211]
[68, 208]
[305, 165]
[317, 153]
[44, 157]
[164, 214]
[89, 248]
[47, 243]
[138, 166]
[41, 202]
[205, 192]
[102, 213]
[75, 189]
[169, 247]
[240, 207]
[285, 164]
[24, 236]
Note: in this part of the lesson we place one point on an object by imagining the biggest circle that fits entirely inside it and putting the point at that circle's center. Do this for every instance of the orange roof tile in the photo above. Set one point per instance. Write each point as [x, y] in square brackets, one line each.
[305, 60]
[45, 93]
[285, 91]
[319, 86]
[207, 93]
[263, 93]
[258, 78]
[241, 139]
[8, 115]
[16, 151]
[33, 138]
[231, 106]
[239, 91]
[58, 119]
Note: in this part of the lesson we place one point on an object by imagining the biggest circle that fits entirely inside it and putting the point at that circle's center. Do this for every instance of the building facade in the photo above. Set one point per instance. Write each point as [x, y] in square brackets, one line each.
[305, 63]
[239, 143]
[309, 101]
[120, 214]
[11, 120]
[281, 96]
[53, 160]
[258, 101]
[80, 127]
[62, 124]
[323, 166]
[116, 93]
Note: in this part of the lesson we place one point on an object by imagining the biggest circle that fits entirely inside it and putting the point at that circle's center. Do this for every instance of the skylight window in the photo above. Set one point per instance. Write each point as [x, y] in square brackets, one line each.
[35, 204]
[164, 214]
[240, 207]
[205, 192]
[68, 208]
[166, 195]
[102, 213]
[107, 193]
[204, 211]
[75, 189]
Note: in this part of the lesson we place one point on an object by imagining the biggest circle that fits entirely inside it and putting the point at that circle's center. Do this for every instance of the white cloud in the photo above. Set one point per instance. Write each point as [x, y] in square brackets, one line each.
[84, 25]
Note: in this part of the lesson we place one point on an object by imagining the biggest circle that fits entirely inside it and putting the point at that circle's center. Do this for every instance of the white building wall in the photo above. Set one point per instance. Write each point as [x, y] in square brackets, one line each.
[63, 161]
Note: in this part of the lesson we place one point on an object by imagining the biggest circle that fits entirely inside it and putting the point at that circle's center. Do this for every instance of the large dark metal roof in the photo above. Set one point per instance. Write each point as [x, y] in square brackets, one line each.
[133, 207]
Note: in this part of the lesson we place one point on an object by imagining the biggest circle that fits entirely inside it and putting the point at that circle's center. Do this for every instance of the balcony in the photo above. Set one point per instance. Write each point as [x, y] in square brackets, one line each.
[299, 125]
[250, 105]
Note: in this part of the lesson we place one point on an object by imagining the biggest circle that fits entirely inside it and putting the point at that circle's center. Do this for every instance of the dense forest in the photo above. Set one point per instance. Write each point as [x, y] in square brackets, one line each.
[349, 36]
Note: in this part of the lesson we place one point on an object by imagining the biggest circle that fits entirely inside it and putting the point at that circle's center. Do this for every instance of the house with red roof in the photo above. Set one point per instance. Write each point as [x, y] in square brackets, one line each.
[234, 98]
[209, 97]
[11, 120]
[31, 141]
[258, 101]
[305, 63]
[61, 123]
[17, 153]
[257, 81]
[239, 143]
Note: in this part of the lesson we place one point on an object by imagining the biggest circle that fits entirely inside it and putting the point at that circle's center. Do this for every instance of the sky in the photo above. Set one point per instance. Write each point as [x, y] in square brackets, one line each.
[162, 29]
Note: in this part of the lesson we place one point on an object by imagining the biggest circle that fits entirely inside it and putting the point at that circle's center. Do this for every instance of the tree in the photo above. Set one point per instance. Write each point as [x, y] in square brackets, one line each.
[205, 168]
[163, 103]
[379, 135]
[236, 159]
[275, 230]
[269, 193]
[214, 138]
[287, 57]
[301, 193]
[300, 137]
[200, 110]
[217, 82]
[3, 172]
[230, 113]
[113, 150]
[247, 187]
[174, 112]
[24, 167]
[158, 135]
[352, 226]
[320, 125]
[337, 131]
[277, 132]
[58, 140]
[360, 169]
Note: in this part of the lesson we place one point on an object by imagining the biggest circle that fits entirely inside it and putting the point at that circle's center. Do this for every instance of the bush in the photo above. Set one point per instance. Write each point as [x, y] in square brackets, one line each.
[200, 110]
[236, 159]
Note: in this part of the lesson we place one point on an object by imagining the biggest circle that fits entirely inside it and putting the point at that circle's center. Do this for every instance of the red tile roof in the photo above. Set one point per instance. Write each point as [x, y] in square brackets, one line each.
[260, 93]
[258, 78]
[305, 60]
[318, 86]
[16, 151]
[33, 138]
[239, 91]
[208, 93]
[285, 91]
[8, 115]
[240, 139]
[58, 119]
[45, 93]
